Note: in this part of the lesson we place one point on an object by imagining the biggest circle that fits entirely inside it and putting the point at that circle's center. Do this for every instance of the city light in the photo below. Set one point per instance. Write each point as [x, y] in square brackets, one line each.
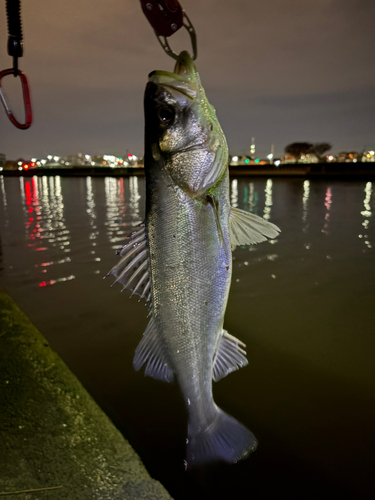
[130, 160]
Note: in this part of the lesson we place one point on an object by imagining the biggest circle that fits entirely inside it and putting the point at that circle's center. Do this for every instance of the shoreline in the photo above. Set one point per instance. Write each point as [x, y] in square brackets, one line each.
[316, 170]
[53, 435]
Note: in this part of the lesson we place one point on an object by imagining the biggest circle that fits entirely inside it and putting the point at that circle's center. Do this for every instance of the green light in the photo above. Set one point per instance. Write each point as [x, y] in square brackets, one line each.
[247, 160]
[257, 160]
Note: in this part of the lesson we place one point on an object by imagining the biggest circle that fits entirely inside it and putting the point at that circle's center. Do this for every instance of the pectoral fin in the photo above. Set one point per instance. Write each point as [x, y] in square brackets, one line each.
[151, 350]
[133, 269]
[247, 229]
[215, 205]
[230, 356]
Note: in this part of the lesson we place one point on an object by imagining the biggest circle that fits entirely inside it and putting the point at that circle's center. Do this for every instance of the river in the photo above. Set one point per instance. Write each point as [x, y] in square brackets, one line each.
[303, 304]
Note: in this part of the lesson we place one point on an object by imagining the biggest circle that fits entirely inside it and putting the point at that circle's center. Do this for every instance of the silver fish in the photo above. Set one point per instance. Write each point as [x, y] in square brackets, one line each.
[180, 259]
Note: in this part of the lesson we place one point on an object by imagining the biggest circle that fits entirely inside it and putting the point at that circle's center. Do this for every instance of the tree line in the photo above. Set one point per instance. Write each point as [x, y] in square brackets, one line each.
[298, 149]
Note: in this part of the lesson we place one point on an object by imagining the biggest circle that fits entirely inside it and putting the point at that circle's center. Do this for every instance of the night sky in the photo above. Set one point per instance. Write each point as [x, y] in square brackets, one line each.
[279, 71]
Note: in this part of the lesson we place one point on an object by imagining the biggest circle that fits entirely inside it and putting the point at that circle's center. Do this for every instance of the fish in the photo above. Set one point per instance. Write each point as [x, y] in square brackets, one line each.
[180, 259]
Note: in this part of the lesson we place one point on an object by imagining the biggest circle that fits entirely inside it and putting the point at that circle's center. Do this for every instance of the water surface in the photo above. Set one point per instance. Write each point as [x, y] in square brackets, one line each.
[303, 304]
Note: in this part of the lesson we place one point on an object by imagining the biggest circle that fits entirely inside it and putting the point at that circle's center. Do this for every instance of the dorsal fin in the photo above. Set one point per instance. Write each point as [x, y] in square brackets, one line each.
[151, 350]
[230, 356]
[133, 270]
[247, 229]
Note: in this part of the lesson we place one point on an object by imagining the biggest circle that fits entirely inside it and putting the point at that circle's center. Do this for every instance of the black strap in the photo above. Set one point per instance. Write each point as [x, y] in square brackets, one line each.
[14, 19]
[15, 44]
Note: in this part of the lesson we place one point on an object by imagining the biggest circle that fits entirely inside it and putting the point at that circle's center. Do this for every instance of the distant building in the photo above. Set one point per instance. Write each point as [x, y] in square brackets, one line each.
[2, 160]
[368, 156]
[10, 165]
[345, 157]
[73, 161]
[252, 147]
[304, 158]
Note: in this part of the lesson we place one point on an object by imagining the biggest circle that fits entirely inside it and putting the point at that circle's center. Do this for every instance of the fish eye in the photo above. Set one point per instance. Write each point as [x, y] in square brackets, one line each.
[166, 115]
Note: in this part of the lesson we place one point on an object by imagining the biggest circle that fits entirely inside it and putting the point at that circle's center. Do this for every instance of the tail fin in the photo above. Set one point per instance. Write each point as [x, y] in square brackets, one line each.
[225, 440]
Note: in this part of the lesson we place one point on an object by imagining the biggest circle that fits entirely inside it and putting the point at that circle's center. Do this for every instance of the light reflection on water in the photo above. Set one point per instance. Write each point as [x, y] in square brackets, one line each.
[366, 213]
[45, 225]
[47, 231]
[305, 202]
[234, 193]
[327, 204]
[268, 201]
[303, 302]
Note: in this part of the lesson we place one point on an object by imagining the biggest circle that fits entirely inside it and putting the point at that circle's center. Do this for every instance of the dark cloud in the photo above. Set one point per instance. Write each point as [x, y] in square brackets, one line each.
[279, 71]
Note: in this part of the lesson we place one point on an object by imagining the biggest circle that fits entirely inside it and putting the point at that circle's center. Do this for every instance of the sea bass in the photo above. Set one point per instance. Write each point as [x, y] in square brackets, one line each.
[180, 259]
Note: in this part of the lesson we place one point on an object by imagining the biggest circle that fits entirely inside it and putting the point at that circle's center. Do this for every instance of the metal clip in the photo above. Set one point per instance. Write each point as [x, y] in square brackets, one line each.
[26, 99]
[193, 38]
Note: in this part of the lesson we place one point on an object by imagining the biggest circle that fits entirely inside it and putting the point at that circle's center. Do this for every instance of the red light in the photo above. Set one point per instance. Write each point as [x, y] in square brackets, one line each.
[43, 283]
[33, 163]
[130, 156]
[26, 166]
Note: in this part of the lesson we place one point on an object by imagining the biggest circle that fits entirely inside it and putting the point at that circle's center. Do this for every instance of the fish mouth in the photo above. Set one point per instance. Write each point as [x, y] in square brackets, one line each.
[184, 78]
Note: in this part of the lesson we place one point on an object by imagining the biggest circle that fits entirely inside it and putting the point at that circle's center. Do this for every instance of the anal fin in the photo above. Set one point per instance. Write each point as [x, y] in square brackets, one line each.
[230, 356]
[151, 350]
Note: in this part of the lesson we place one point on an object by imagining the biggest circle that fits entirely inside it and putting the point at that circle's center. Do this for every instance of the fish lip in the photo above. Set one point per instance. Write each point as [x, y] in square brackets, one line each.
[169, 74]
[184, 69]
[173, 82]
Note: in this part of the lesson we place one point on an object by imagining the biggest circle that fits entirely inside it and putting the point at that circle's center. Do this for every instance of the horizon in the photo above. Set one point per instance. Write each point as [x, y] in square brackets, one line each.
[279, 73]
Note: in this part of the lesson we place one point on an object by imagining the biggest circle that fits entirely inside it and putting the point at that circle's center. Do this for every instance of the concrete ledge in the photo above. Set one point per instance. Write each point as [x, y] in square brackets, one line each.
[52, 433]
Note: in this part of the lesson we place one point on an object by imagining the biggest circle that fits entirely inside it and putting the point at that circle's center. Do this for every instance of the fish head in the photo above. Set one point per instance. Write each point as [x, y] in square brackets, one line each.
[182, 133]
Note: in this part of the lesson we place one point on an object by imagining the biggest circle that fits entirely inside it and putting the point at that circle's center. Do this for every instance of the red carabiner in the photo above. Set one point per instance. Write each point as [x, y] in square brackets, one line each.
[26, 99]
